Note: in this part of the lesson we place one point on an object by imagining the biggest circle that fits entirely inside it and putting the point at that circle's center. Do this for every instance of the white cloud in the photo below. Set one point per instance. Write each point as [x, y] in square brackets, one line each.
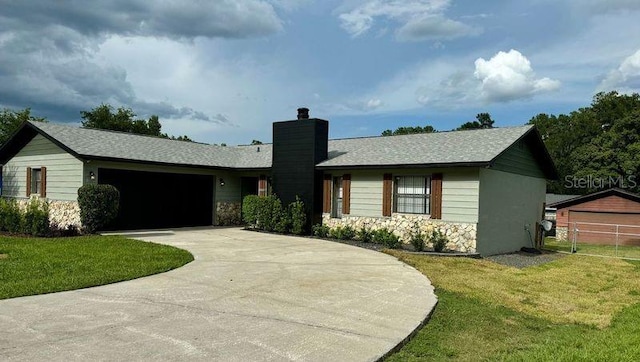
[509, 76]
[417, 19]
[625, 77]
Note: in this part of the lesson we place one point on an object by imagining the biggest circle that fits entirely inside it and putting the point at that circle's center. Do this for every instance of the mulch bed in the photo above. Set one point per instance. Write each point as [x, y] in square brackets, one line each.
[4, 256]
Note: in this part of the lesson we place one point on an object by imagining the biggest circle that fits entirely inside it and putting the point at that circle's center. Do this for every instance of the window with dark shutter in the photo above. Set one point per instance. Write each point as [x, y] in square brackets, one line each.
[346, 194]
[387, 194]
[326, 194]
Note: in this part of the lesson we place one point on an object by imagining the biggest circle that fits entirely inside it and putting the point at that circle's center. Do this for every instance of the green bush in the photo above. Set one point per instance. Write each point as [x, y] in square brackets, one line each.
[98, 206]
[438, 240]
[250, 205]
[298, 217]
[342, 233]
[320, 230]
[417, 239]
[365, 235]
[10, 216]
[386, 238]
[269, 212]
[281, 219]
[35, 220]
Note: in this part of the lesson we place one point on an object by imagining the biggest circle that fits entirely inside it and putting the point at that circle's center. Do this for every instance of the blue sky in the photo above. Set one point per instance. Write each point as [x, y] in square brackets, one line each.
[223, 71]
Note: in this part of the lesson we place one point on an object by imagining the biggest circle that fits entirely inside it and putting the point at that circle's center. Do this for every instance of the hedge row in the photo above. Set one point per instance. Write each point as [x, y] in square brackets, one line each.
[267, 213]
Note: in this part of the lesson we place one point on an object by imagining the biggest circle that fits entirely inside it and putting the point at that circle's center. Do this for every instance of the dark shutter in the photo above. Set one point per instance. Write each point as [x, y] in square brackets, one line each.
[326, 194]
[387, 194]
[436, 196]
[43, 183]
[346, 194]
[28, 181]
[262, 185]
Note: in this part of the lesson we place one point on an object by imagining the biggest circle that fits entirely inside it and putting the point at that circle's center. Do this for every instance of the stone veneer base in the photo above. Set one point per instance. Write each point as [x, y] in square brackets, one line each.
[61, 213]
[462, 236]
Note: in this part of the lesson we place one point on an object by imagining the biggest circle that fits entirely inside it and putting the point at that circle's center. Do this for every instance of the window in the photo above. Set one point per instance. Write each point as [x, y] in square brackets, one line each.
[337, 197]
[412, 194]
[36, 180]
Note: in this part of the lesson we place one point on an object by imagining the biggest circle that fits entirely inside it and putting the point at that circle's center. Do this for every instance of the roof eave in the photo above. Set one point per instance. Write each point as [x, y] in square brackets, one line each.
[415, 165]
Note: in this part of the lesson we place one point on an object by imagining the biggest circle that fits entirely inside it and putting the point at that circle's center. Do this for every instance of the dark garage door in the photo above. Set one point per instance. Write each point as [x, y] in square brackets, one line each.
[160, 200]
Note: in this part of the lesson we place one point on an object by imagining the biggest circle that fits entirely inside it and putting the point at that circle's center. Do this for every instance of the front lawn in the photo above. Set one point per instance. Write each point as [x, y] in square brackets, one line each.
[31, 266]
[574, 308]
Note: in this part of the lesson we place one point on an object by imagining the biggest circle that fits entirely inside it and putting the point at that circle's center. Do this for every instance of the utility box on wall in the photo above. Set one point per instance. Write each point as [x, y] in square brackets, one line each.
[297, 147]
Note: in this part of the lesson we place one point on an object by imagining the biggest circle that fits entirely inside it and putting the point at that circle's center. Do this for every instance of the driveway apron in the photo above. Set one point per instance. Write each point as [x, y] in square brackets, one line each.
[247, 296]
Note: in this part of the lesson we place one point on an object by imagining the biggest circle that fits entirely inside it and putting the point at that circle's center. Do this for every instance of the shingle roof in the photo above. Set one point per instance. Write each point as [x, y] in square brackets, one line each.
[455, 147]
[94, 143]
[442, 148]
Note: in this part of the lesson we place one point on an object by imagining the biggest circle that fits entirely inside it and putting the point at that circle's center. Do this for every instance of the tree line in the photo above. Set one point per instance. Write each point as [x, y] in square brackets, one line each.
[103, 116]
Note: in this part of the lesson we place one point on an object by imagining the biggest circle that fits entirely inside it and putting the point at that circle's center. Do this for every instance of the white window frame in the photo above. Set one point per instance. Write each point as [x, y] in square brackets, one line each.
[36, 185]
[412, 194]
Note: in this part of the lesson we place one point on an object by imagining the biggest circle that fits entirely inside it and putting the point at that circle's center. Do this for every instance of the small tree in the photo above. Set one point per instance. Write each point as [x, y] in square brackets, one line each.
[298, 217]
[98, 206]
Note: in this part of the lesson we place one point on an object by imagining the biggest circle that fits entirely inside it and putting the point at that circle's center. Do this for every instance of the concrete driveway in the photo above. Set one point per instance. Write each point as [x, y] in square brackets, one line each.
[247, 296]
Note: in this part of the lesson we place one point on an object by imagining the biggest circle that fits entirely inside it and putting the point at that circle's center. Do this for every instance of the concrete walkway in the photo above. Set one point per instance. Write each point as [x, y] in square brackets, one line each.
[247, 296]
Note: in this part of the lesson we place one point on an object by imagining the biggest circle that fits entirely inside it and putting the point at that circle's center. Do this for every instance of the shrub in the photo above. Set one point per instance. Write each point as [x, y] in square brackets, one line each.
[98, 206]
[269, 212]
[250, 205]
[10, 216]
[438, 240]
[365, 235]
[320, 230]
[298, 217]
[386, 238]
[56, 231]
[282, 219]
[417, 239]
[342, 233]
[35, 220]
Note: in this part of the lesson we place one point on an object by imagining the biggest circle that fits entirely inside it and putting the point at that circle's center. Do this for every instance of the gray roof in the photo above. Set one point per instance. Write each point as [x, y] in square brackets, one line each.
[554, 198]
[456, 147]
[94, 143]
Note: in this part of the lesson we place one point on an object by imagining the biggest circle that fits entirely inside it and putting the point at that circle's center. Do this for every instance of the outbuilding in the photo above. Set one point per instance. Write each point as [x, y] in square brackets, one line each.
[602, 217]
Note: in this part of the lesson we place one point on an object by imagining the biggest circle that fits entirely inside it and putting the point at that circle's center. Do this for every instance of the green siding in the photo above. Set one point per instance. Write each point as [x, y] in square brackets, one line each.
[509, 203]
[366, 194]
[460, 191]
[519, 159]
[64, 171]
[460, 188]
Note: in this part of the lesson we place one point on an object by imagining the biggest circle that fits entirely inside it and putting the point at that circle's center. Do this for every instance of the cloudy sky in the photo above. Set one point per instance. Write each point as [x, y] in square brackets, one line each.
[224, 70]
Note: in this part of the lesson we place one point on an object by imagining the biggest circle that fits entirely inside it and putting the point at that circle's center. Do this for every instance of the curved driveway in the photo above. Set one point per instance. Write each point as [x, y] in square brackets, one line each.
[247, 296]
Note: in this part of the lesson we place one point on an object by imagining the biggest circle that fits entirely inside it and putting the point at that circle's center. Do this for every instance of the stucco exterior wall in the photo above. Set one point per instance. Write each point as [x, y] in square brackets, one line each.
[510, 206]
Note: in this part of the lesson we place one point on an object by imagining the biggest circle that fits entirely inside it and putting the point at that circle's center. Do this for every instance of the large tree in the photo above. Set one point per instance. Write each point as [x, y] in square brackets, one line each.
[123, 119]
[597, 146]
[10, 120]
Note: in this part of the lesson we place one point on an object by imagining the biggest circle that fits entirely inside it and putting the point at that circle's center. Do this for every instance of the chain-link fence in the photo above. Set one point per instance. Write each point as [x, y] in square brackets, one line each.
[614, 240]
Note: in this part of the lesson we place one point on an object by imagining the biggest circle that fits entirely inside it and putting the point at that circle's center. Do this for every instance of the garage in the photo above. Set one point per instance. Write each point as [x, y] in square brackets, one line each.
[604, 227]
[601, 217]
[160, 200]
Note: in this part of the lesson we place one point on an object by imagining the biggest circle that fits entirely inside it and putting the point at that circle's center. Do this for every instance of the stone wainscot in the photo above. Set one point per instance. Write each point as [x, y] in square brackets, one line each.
[462, 236]
[61, 213]
[228, 213]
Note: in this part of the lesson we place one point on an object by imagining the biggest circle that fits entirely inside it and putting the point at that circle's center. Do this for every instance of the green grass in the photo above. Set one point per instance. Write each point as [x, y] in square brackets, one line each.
[575, 308]
[31, 266]
[624, 251]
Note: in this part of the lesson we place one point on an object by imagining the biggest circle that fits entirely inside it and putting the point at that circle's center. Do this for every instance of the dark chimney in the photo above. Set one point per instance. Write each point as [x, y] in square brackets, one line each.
[303, 113]
[297, 148]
